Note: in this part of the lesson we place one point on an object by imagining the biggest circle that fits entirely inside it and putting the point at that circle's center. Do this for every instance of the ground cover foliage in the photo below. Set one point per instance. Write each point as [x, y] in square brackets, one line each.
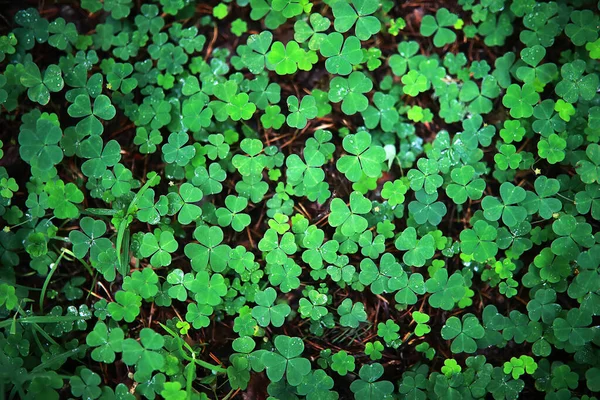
[293, 199]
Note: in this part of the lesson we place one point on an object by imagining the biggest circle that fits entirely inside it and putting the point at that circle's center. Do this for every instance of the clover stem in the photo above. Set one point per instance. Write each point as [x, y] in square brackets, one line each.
[85, 264]
[125, 223]
[53, 268]
[201, 363]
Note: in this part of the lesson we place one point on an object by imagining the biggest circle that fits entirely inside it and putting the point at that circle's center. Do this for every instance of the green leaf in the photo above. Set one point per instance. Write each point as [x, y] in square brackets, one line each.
[520, 100]
[39, 87]
[351, 315]
[463, 333]
[439, 26]
[287, 361]
[39, 146]
[364, 158]
[350, 91]
[349, 218]
[445, 291]
[158, 246]
[341, 55]
[266, 312]
[367, 387]
[359, 15]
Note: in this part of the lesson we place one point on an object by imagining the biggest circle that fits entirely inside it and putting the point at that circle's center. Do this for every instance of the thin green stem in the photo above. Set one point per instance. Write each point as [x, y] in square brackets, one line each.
[40, 319]
[53, 268]
[85, 264]
[201, 363]
[125, 223]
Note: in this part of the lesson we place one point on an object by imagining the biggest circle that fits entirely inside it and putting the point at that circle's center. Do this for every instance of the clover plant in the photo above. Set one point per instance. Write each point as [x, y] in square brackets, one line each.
[299, 199]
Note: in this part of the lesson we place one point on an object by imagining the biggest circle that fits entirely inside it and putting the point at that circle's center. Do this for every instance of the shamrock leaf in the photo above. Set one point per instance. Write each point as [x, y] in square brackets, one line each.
[198, 315]
[209, 251]
[286, 361]
[438, 25]
[144, 354]
[342, 363]
[426, 176]
[39, 87]
[507, 208]
[266, 312]
[426, 208]
[479, 241]
[367, 387]
[341, 55]
[574, 85]
[158, 245]
[312, 30]
[350, 91]
[574, 329]
[39, 145]
[378, 278]
[445, 291]
[359, 14]
[589, 170]
[415, 83]
[351, 315]
[90, 239]
[99, 157]
[314, 306]
[91, 124]
[463, 333]
[232, 214]
[384, 113]
[126, 307]
[417, 251]
[349, 218]
[364, 158]
[143, 283]
[208, 288]
[465, 185]
[520, 100]
[301, 113]
[106, 343]
[310, 173]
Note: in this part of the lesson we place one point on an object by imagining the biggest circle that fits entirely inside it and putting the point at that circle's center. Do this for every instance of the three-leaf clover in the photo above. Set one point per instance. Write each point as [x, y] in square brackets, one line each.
[105, 342]
[144, 354]
[209, 251]
[301, 112]
[232, 214]
[438, 25]
[574, 84]
[363, 158]
[82, 108]
[266, 312]
[350, 91]
[342, 363]
[506, 207]
[417, 251]
[286, 360]
[463, 332]
[465, 185]
[520, 100]
[342, 55]
[359, 13]
[445, 291]
[351, 315]
[350, 219]
[39, 145]
[158, 246]
[479, 241]
[39, 87]
[90, 239]
[367, 387]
